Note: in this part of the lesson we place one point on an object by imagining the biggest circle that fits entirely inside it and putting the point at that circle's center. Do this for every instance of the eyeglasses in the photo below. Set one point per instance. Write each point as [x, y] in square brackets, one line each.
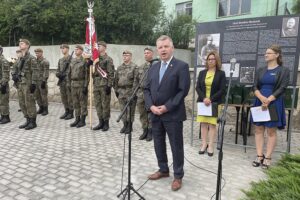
[211, 59]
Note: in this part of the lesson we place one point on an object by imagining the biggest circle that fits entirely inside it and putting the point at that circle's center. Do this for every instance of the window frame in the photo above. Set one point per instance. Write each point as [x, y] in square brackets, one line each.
[185, 8]
[228, 10]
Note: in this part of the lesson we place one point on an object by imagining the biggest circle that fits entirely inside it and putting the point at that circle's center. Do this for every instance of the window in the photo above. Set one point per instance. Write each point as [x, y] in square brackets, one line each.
[184, 8]
[233, 7]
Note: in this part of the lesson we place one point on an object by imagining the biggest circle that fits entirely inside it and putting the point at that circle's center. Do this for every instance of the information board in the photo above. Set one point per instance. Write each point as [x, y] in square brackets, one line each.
[247, 40]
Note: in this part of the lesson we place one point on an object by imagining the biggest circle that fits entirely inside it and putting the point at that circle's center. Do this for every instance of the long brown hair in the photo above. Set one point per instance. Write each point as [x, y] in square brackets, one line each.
[277, 49]
[218, 60]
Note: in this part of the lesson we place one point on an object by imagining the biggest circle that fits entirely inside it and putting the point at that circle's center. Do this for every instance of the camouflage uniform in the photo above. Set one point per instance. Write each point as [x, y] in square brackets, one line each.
[65, 89]
[41, 94]
[4, 93]
[144, 118]
[78, 76]
[123, 85]
[28, 72]
[16, 83]
[102, 91]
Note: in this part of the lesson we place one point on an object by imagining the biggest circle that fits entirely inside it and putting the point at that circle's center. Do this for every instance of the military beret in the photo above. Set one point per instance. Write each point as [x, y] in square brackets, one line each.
[79, 47]
[102, 43]
[148, 48]
[64, 46]
[25, 41]
[127, 52]
[38, 50]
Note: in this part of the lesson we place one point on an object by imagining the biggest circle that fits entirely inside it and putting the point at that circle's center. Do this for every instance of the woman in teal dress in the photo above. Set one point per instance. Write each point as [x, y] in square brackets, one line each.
[269, 86]
[210, 88]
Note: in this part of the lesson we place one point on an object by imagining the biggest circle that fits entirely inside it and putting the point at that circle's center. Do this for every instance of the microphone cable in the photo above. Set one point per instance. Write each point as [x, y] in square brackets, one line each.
[194, 165]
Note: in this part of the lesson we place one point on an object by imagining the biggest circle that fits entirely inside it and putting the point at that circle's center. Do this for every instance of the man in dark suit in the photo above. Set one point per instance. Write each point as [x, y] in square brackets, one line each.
[167, 85]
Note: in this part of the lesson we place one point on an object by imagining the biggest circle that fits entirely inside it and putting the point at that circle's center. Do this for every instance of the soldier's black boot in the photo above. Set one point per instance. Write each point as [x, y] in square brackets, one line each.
[77, 120]
[149, 135]
[82, 121]
[100, 125]
[70, 115]
[144, 135]
[25, 124]
[128, 128]
[32, 124]
[40, 110]
[106, 125]
[65, 114]
[125, 124]
[5, 119]
[45, 110]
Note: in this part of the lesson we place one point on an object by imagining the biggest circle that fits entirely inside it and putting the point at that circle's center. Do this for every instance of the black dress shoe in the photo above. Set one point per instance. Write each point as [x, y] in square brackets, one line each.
[202, 152]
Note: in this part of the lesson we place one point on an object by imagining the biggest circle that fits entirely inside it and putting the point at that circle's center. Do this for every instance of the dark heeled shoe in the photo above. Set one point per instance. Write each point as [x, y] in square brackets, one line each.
[257, 162]
[210, 154]
[266, 163]
[202, 152]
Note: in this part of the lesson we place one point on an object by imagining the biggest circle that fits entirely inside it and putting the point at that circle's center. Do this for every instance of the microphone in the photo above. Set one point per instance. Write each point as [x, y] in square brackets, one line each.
[232, 65]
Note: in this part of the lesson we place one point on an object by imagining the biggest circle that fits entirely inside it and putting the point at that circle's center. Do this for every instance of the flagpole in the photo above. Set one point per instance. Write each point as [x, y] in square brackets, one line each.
[90, 4]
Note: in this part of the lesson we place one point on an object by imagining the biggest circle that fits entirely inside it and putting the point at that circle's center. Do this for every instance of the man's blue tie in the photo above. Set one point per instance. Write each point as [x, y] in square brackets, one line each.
[162, 70]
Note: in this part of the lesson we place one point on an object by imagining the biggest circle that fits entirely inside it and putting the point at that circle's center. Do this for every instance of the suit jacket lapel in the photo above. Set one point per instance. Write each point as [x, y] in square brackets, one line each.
[156, 73]
[167, 72]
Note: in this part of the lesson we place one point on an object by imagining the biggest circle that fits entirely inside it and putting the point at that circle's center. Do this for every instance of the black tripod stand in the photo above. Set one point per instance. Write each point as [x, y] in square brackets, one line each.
[127, 109]
[129, 186]
[222, 122]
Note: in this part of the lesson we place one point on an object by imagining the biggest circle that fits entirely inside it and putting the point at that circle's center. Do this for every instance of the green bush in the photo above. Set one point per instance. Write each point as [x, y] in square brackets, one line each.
[282, 183]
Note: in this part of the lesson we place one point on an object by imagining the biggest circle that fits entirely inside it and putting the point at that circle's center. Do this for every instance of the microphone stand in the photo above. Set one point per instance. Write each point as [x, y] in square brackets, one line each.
[222, 122]
[127, 109]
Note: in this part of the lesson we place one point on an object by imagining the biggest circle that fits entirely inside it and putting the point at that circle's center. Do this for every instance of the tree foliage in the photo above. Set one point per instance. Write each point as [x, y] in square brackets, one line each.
[53, 22]
[180, 28]
[296, 7]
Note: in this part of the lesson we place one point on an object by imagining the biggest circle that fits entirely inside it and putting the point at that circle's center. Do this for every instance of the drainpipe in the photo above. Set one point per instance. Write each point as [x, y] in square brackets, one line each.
[277, 7]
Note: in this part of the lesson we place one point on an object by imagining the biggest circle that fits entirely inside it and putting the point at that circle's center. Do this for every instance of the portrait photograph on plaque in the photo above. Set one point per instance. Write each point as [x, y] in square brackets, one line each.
[247, 75]
[207, 43]
[290, 26]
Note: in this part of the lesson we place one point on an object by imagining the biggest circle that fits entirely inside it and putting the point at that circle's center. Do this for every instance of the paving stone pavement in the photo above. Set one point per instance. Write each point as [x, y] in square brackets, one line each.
[57, 162]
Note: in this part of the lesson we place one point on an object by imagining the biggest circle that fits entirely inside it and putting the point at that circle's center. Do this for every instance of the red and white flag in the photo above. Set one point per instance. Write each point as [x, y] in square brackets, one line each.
[90, 28]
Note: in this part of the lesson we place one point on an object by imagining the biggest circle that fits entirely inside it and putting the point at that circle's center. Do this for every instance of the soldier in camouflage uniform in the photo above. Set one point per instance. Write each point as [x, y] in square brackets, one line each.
[78, 75]
[4, 93]
[41, 93]
[14, 71]
[140, 73]
[123, 85]
[102, 83]
[26, 75]
[65, 88]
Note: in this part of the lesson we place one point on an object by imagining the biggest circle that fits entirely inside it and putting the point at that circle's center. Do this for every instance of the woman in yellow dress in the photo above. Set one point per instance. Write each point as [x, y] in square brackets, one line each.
[211, 85]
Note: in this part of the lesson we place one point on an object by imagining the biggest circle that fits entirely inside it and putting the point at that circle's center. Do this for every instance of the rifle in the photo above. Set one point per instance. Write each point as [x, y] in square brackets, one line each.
[63, 74]
[17, 76]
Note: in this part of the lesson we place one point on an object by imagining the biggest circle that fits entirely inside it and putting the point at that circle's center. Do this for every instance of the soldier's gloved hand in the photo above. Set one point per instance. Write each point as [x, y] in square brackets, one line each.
[134, 98]
[89, 63]
[43, 85]
[117, 94]
[15, 78]
[85, 91]
[107, 90]
[32, 88]
[3, 88]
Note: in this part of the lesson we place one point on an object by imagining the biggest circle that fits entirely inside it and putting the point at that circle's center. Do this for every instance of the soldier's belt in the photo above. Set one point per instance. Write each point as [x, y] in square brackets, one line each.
[125, 86]
[77, 79]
